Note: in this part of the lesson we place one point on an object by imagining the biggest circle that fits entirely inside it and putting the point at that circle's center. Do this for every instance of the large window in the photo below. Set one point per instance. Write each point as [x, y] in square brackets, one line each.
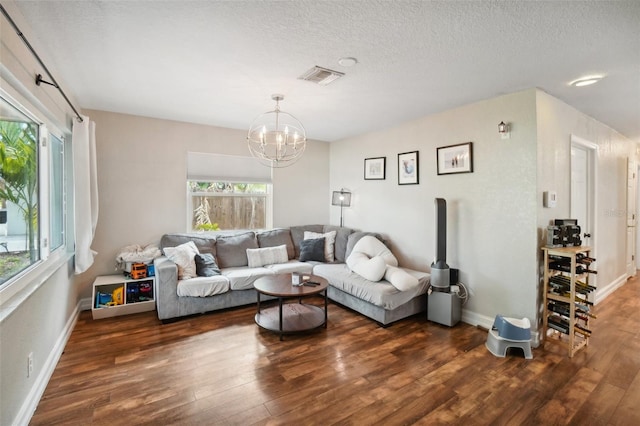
[227, 205]
[31, 191]
[227, 192]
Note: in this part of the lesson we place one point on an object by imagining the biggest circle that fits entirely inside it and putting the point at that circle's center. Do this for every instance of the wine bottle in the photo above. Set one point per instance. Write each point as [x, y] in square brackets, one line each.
[582, 330]
[583, 258]
[561, 266]
[563, 279]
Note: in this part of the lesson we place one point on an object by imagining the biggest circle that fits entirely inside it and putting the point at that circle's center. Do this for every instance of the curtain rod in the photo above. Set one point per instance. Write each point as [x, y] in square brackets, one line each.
[39, 79]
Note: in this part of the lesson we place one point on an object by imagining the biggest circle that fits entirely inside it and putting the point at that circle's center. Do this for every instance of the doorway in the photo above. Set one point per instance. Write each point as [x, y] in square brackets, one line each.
[583, 193]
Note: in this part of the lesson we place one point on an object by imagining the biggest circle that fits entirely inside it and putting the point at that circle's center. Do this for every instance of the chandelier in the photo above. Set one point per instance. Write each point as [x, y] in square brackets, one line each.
[276, 138]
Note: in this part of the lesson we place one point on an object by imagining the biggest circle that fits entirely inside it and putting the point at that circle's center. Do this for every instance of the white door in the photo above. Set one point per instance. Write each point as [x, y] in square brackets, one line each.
[580, 188]
[583, 191]
[631, 217]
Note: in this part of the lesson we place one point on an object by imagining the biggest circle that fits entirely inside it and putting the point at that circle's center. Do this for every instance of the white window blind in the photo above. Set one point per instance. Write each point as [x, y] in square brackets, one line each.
[202, 166]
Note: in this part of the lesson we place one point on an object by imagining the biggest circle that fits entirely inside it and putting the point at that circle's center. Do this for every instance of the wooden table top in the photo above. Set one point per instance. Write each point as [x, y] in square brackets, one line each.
[281, 286]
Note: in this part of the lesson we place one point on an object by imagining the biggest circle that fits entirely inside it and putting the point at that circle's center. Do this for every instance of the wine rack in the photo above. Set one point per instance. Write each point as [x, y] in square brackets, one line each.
[567, 308]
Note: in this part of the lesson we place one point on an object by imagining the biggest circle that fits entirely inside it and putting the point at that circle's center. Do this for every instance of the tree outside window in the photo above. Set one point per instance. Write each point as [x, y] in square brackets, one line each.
[227, 205]
[19, 191]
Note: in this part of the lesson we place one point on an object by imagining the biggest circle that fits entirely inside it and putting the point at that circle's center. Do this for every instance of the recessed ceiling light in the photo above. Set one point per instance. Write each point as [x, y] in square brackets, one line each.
[347, 61]
[586, 81]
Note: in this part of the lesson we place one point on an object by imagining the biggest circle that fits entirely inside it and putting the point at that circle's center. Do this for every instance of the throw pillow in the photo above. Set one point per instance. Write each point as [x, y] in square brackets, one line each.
[370, 258]
[206, 265]
[267, 256]
[401, 279]
[184, 257]
[329, 243]
[277, 237]
[312, 250]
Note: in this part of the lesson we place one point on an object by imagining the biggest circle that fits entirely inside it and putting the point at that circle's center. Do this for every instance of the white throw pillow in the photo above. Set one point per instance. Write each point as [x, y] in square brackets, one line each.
[372, 247]
[370, 258]
[400, 279]
[329, 243]
[372, 269]
[267, 256]
[183, 256]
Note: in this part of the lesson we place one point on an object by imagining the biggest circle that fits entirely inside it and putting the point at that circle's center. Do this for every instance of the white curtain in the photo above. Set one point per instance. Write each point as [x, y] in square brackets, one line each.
[85, 191]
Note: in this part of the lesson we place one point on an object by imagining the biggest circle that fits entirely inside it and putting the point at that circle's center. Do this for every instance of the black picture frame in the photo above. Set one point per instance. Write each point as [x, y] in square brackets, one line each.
[375, 168]
[408, 168]
[454, 159]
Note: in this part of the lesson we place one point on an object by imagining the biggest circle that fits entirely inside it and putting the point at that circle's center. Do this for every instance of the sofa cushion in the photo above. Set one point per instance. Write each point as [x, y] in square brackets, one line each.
[380, 293]
[329, 242]
[206, 265]
[205, 243]
[203, 286]
[267, 256]
[277, 237]
[291, 266]
[297, 235]
[243, 278]
[183, 256]
[312, 250]
[232, 249]
[342, 236]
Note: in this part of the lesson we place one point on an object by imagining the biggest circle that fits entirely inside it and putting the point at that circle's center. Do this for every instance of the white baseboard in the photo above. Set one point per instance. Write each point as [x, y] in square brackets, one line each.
[479, 320]
[37, 390]
[85, 304]
[604, 292]
[476, 319]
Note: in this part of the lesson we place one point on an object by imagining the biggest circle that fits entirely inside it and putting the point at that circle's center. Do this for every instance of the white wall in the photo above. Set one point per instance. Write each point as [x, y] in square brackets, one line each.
[557, 121]
[491, 212]
[37, 319]
[142, 181]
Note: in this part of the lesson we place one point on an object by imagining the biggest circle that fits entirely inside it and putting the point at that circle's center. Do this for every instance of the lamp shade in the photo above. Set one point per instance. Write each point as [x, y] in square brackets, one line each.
[341, 198]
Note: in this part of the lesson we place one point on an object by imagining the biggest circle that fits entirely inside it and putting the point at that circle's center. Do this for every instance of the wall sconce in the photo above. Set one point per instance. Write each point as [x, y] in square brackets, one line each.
[503, 130]
[341, 198]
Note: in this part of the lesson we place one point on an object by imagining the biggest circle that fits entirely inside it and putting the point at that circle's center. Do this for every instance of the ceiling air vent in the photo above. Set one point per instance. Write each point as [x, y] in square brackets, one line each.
[321, 76]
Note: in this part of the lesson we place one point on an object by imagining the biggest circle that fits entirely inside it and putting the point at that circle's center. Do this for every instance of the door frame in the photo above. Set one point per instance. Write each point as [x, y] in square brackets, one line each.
[592, 153]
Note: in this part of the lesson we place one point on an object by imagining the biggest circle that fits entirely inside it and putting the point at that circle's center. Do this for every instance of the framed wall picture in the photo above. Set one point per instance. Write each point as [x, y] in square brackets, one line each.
[375, 168]
[408, 168]
[455, 158]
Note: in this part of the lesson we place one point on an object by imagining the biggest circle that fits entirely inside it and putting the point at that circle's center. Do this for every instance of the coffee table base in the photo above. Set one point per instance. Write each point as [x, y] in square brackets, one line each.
[296, 317]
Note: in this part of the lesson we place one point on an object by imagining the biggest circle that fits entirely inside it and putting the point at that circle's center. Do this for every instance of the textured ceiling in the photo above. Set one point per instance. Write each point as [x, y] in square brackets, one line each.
[219, 62]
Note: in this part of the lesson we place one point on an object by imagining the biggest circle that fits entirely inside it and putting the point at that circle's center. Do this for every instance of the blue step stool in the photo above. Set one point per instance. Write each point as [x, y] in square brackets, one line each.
[509, 333]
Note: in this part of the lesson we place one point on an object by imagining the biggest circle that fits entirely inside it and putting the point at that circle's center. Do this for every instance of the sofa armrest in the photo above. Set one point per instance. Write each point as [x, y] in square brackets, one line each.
[166, 288]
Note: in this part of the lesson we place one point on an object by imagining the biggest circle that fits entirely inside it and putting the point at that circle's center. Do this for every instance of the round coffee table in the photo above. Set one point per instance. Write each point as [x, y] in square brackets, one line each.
[291, 317]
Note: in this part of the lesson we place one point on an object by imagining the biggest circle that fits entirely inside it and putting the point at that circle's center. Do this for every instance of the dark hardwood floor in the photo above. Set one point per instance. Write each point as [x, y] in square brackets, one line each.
[220, 368]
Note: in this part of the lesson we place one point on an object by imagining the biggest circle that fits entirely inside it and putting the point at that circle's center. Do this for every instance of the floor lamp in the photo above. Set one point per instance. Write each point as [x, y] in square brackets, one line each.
[341, 198]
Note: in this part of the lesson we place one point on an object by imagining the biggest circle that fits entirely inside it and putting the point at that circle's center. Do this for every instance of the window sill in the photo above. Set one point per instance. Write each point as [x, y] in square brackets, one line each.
[15, 293]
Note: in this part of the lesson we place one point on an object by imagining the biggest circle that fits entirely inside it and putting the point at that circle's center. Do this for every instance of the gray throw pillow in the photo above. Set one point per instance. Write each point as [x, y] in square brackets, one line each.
[312, 250]
[297, 235]
[277, 237]
[206, 265]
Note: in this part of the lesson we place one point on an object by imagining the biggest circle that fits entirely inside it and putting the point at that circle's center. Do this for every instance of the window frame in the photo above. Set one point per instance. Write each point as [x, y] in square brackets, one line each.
[49, 261]
[268, 196]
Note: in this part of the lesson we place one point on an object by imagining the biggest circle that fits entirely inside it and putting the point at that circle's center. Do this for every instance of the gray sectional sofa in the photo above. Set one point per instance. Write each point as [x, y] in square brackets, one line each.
[175, 298]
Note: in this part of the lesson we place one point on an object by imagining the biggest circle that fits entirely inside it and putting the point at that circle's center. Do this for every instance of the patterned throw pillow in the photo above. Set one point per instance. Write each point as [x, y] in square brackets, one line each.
[267, 256]
[184, 257]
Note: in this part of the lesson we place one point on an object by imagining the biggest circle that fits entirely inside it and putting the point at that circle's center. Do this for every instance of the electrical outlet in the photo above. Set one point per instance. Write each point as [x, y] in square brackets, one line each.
[30, 364]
